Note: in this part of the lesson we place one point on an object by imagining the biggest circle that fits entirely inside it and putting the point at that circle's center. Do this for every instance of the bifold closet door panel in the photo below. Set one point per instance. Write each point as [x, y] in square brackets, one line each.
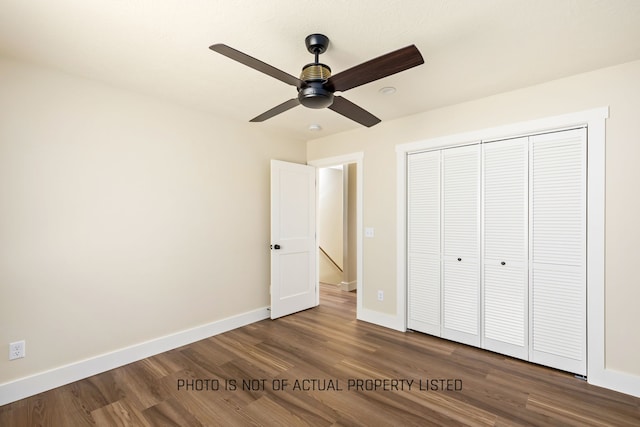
[461, 247]
[505, 201]
[423, 242]
[558, 250]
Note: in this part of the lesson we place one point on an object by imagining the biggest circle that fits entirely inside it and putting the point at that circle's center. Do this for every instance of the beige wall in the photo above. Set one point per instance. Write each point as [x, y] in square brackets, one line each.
[330, 223]
[617, 87]
[122, 218]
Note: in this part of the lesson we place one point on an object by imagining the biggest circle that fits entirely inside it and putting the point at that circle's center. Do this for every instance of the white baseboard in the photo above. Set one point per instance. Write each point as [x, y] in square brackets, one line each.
[607, 378]
[349, 286]
[43, 381]
[382, 319]
[38, 383]
[617, 381]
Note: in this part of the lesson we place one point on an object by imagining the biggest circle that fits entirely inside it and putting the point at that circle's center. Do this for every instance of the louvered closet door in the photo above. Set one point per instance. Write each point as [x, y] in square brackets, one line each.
[460, 210]
[423, 242]
[505, 248]
[558, 250]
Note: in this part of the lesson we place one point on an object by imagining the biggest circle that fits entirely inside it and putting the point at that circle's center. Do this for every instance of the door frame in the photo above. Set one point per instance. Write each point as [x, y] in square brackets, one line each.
[358, 159]
[594, 119]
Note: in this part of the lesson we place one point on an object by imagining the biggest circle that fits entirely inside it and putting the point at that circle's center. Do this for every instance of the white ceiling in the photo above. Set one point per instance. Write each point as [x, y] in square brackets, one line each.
[472, 48]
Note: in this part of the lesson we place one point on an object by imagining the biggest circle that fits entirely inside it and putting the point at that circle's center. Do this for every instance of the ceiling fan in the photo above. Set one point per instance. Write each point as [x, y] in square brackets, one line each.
[316, 86]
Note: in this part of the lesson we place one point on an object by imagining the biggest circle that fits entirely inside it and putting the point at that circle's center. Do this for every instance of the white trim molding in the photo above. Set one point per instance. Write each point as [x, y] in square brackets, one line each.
[349, 286]
[358, 159]
[594, 119]
[38, 383]
[381, 319]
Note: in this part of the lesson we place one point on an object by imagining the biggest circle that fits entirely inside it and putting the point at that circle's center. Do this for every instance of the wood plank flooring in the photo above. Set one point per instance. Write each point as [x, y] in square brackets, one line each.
[321, 367]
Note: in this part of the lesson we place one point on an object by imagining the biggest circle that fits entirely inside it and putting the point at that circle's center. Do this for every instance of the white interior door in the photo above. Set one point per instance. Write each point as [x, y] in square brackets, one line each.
[293, 238]
[461, 244]
[558, 250]
[423, 242]
[505, 296]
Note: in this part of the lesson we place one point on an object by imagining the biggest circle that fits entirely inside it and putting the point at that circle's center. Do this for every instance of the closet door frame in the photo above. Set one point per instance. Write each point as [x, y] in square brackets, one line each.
[594, 120]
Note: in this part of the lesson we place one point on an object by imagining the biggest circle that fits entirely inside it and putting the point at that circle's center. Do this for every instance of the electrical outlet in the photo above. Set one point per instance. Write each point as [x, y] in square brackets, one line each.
[380, 295]
[16, 350]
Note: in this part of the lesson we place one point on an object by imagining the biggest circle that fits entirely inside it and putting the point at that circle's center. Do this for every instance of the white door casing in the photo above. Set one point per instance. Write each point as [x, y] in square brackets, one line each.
[357, 158]
[293, 238]
[595, 120]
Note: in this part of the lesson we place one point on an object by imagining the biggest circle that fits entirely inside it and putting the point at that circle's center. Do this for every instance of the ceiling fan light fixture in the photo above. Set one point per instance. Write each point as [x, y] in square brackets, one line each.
[315, 95]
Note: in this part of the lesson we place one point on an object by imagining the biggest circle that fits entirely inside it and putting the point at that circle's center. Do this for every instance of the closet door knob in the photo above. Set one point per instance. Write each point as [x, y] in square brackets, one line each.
[502, 263]
[459, 259]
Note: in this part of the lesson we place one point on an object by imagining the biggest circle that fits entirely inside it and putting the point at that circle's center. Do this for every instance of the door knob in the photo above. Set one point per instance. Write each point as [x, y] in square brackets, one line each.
[502, 263]
[459, 259]
[276, 246]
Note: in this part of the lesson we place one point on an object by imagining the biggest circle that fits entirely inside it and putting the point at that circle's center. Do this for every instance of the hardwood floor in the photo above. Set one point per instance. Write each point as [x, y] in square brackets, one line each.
[321, 367]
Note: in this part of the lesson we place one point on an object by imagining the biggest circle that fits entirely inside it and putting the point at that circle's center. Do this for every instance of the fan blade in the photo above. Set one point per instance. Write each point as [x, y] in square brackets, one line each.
[287, 105]
[256, 64]
[352, 111]
[383, 66]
